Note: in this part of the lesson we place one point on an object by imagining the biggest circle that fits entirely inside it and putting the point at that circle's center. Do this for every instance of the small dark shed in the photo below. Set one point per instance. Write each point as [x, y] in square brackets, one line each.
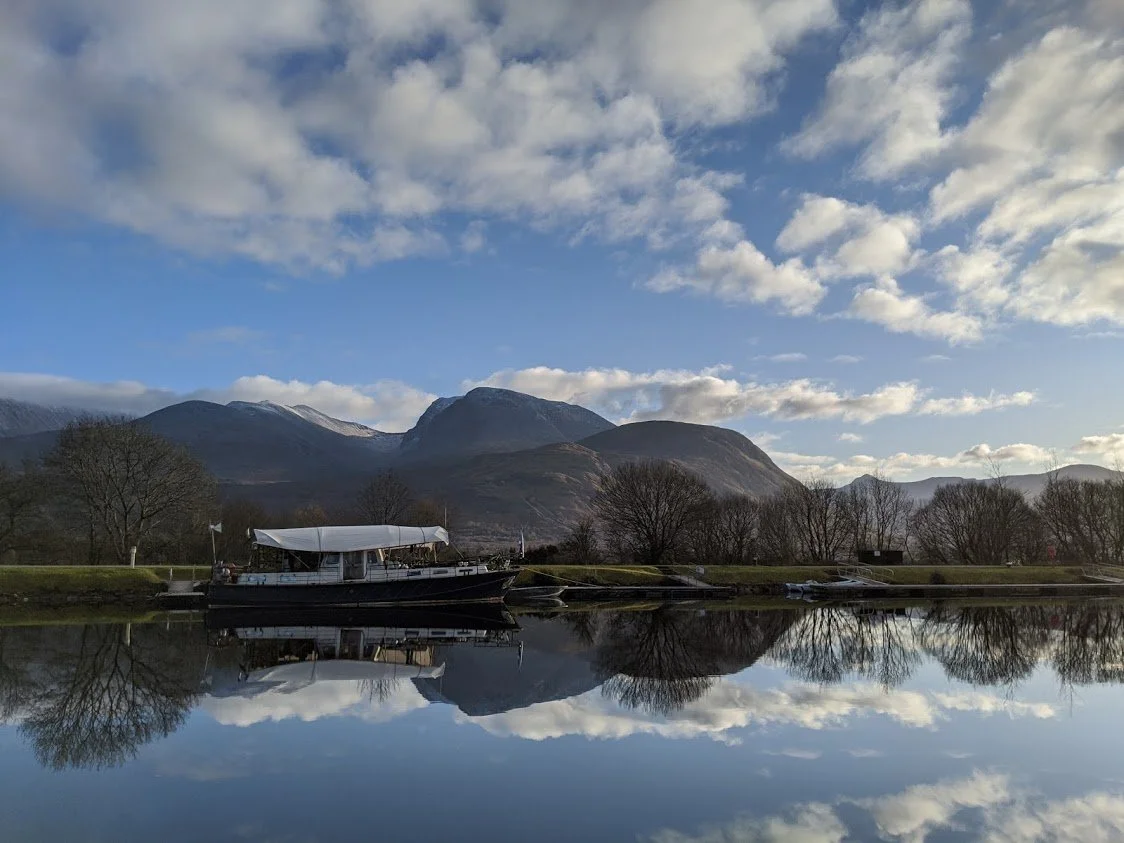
[881, 557]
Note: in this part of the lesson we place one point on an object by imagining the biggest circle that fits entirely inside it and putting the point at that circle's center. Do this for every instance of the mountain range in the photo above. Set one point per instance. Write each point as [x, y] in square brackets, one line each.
[1029, 484]
[499, 459]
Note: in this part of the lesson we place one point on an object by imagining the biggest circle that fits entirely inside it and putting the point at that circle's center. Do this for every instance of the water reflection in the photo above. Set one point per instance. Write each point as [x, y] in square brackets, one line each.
[91, 696]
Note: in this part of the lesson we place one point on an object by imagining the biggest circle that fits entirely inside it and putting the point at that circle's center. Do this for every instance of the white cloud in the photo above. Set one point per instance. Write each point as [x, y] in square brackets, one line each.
[904, 465]
[985, 805]
[389, 405]
[970, 405]
[810, 823]
[846, 358]
[1109, 445]
[1041, 159]
[707, 397]
[312, 133]
[977, 277]
[473, 239]
[729, 704]
[742, 274]
[893, 87]
[910, 815]
[850, 437]
[885, 303]
[800, 754]
[786, 357]
[315, 700]
[852, 240]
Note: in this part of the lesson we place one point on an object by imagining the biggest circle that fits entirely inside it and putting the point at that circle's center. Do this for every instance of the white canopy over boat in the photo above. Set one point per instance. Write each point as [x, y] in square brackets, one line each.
[346, 539]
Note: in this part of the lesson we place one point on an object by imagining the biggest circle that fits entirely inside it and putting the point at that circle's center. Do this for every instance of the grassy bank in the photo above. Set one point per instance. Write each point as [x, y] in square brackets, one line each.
[770, 575]
[50, 583]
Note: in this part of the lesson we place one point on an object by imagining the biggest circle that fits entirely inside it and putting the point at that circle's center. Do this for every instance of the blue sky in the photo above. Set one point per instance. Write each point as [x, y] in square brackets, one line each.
[870, 236]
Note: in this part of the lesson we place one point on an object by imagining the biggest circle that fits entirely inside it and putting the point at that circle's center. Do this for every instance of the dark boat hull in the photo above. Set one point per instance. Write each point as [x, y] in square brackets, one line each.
[422, 591]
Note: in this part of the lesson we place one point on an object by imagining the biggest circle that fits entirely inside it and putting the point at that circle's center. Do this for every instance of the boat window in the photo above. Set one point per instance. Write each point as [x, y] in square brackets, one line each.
[330, 560]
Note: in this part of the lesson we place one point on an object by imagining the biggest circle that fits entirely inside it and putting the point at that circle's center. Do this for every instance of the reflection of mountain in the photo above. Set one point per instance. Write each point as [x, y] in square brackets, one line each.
[553, 665]
[658, 660]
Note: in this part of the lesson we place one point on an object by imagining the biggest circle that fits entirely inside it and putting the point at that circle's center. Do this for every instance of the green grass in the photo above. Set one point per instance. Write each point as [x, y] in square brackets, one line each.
[28, 615]
[180, 572]
[67, 579]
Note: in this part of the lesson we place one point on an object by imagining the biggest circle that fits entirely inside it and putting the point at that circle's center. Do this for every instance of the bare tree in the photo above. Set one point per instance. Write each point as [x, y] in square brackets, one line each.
[817, 512]
[726, 531]
[880, 513]
[649, 505]
[128, 481]
[1084, 520]
[776, 535]
[581, 544]
[386, 499]
[22, 496]
[977, 523]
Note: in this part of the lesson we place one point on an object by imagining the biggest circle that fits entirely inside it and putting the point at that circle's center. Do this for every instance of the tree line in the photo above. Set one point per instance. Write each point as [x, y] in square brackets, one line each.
[111, 484]
[657, 512]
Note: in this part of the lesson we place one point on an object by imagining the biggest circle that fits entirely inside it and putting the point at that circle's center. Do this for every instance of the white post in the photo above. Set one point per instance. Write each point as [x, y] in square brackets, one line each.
[133, 556]
[214, 557]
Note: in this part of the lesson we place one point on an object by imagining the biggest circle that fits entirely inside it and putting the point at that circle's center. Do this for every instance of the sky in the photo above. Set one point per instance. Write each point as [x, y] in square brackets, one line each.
[869, 236]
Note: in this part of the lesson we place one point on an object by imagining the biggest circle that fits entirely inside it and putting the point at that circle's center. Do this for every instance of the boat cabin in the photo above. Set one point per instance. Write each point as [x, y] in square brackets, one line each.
[322, 555]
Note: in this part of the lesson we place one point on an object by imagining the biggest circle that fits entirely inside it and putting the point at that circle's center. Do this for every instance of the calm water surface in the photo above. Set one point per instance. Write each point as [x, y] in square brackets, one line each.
[792, 724]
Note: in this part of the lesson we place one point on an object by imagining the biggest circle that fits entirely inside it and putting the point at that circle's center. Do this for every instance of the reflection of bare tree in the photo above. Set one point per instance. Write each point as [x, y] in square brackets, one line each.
[16, 686]
[116, 689]
[662, 660]
[829, 644]
[986, 645]
[1090, 645]
[647, 662]
[584, 625]
[982, 645]
[379, 690]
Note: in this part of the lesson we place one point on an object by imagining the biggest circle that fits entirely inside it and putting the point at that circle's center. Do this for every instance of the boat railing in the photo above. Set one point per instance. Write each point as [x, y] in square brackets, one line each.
[866, 573]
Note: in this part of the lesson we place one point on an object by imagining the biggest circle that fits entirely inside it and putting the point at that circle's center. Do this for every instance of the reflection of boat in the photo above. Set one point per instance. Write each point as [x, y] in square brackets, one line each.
[816, 587]
[351, 566]
[478, 616]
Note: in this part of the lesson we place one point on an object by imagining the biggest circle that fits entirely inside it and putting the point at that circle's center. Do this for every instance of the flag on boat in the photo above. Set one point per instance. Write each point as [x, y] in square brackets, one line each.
[216, 528]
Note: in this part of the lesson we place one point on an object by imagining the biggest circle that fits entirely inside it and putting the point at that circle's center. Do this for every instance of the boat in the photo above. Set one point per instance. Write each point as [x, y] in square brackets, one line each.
[817, 587]
[374, 565]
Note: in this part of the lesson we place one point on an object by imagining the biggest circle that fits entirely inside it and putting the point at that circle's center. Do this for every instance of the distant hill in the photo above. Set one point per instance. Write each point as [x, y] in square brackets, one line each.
[1029, 484]
[487, 420]
[260, 443]
[727, 460]
[499, 459]
[23, 418]
[549, 488]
